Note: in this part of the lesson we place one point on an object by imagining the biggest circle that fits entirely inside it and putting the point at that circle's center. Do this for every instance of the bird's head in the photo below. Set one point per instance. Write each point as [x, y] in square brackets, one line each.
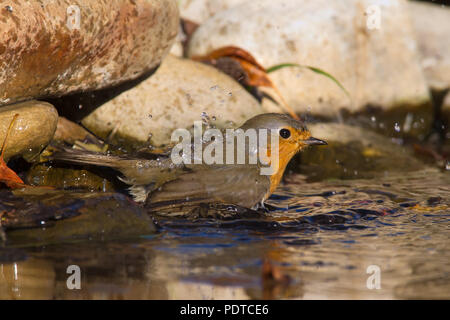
[293, 134]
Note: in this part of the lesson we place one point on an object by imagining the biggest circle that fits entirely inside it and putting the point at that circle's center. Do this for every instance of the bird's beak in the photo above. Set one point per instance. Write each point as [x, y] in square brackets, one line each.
[314, 142]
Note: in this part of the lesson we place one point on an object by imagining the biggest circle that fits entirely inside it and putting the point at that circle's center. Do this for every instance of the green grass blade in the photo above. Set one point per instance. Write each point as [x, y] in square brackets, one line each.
[313, 69]
[281, 66]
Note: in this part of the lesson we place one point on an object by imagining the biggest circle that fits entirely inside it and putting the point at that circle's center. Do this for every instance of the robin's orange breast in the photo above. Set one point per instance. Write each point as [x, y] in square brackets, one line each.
[286, 150]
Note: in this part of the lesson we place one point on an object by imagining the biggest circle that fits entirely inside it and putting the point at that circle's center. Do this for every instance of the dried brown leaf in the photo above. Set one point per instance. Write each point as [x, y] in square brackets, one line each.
[255, 74]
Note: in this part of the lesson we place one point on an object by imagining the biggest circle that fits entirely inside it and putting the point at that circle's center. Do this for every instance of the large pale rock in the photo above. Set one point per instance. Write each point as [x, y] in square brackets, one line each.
[32, 130]
[200, 10]
[378, 66]
[46, 50]
[432, 28]
[174, 97]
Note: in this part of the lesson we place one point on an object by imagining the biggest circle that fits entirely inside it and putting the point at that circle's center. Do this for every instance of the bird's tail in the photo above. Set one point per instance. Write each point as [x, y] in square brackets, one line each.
[142, 175]
[75, 156]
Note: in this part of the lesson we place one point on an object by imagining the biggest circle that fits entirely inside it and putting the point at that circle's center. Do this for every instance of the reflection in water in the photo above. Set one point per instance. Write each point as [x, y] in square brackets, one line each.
[318, 241]
[30, 279]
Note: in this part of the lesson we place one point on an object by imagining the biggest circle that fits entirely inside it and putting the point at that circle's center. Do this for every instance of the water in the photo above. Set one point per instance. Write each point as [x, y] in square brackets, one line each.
[317, 241]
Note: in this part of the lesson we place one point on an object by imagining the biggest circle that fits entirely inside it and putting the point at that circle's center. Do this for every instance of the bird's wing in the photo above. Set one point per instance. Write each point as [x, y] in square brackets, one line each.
[234, 184]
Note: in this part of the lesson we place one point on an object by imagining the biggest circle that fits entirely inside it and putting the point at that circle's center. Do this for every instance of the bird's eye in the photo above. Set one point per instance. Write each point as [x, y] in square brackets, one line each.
[285, 133]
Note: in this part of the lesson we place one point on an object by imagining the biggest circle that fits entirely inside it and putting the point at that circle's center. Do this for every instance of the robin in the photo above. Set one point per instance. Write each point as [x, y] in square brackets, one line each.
[160, 182]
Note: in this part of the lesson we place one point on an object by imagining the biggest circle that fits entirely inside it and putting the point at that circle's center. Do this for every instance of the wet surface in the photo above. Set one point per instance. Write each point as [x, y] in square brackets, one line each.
[318, 240]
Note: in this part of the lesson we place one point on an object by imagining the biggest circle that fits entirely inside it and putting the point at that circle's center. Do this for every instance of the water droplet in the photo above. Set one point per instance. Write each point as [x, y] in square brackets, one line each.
[213, 118]
[398, 141]
[230, 94]
[214, 87]
[408, 122]
[189, 99]
[230, 123]
[397, 127]
[205, 118]
[9, 8]
[150, 116]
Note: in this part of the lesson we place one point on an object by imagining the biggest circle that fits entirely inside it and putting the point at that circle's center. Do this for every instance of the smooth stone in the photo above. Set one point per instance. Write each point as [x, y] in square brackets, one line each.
[353, 153]
[69, 132]
[66, 177]
[174, 97]
[44, 216]
[45, 50]
[431, 24]
[32, 131]
[72, 133]
[377, 66]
